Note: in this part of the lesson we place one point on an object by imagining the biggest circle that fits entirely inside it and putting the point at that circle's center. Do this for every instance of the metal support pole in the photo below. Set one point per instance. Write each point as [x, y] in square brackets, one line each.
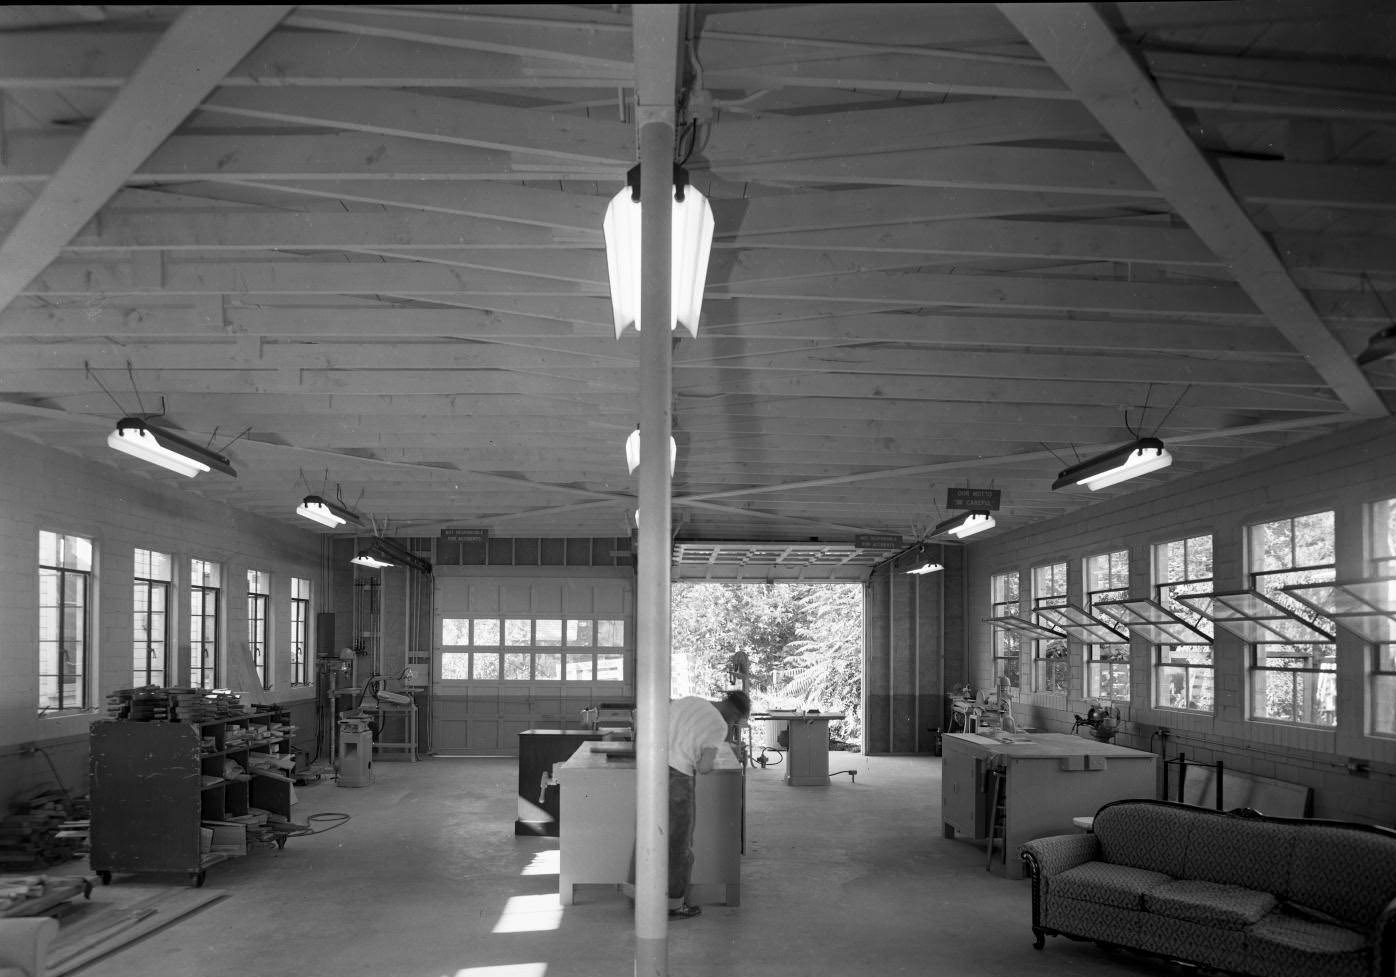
[656, 42]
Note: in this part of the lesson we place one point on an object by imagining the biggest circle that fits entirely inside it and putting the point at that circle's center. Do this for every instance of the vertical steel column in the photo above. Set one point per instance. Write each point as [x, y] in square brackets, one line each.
[656, 43]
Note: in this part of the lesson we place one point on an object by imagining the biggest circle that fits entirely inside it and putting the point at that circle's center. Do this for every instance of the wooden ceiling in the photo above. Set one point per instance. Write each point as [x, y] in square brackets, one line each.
[358, 250]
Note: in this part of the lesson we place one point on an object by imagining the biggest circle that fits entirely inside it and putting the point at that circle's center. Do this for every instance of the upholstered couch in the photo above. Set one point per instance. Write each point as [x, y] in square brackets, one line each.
[1238, 892]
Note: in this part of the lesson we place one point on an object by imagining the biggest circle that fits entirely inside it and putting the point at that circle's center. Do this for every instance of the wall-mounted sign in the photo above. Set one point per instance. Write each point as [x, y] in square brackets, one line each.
[871, 541]
[457, 534]
[970, 498]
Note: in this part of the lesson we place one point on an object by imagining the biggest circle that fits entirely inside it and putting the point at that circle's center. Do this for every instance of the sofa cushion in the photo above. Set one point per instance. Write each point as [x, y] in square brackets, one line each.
[1286, 945]
[1146, 836]
[1106, 885]
[1348, 873]
[1241, 851]
[1226, 906]
[1200, 943]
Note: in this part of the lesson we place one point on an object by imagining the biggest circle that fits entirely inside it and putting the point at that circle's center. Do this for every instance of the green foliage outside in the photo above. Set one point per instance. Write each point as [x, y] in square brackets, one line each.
[804, 644]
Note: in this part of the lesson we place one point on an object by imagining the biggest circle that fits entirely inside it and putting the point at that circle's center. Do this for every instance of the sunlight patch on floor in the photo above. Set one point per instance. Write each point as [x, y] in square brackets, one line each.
[529, 914]
[543, 863]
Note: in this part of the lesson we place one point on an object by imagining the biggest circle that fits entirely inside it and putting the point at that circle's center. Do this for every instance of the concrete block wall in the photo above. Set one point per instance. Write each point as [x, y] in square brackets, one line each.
[1342, 472]
[120, 507]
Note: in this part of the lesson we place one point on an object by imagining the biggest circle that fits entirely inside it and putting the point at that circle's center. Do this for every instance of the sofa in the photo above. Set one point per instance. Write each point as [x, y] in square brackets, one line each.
[1232, 891]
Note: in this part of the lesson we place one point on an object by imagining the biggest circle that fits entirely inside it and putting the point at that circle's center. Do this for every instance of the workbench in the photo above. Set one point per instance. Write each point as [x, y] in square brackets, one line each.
[1045, 779]
[596, 831]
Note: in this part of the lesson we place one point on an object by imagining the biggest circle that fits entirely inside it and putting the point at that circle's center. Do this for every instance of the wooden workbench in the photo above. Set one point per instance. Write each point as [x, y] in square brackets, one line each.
[1049, 778]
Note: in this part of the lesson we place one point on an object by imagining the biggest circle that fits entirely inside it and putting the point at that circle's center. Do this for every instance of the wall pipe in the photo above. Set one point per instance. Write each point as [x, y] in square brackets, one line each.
[940, 684]
[655, 37]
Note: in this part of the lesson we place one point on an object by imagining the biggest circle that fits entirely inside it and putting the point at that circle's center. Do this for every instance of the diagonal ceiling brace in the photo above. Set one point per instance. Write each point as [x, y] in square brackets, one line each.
[1085, 51]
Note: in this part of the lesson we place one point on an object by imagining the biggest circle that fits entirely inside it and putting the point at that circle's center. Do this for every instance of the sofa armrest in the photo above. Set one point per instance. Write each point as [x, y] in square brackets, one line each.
[24, 943]
[1049, 856]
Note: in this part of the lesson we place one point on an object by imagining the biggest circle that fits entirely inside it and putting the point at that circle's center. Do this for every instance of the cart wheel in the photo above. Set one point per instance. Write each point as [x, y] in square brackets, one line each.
[87, 888]
[198, 880]
[105, 877]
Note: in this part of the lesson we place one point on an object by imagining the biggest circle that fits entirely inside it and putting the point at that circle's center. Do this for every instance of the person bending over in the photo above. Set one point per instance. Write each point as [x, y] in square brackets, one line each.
[698, 728]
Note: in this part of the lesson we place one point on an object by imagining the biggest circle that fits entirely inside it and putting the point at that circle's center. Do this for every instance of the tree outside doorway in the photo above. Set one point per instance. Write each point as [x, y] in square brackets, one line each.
[801, 646]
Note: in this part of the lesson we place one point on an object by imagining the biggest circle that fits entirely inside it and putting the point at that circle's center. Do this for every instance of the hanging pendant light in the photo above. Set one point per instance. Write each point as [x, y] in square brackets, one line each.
[159, 446]
[692, 234]
[1119, 465]
[965, 524]
[632, 451]
[316, 509]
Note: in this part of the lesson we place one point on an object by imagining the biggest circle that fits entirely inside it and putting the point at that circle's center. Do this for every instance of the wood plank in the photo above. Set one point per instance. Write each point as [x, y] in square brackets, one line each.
[68, 953]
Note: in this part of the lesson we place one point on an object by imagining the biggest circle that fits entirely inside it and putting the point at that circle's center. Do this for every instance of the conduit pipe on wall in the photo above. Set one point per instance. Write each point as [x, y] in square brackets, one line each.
[940, 684]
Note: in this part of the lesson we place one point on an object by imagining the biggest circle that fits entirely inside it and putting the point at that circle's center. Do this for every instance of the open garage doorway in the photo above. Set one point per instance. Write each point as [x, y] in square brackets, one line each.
[790, 645]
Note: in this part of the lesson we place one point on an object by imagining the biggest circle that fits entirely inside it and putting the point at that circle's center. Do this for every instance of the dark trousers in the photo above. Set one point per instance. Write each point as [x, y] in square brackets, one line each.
[682, 810]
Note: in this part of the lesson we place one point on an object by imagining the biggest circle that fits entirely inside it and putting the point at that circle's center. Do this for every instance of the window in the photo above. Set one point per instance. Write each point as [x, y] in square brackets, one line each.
[1183, 673]
[1293, 682]
[205, 581]
[65, 589]
[300, 631]
[1003, 594]
[1382, 523]
[1107, 665]
[532, 649]
[1051, 668]
[258, 626]
[151, 613]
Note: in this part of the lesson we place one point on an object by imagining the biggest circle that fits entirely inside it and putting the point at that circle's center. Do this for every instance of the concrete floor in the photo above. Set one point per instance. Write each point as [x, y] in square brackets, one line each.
[427, 879]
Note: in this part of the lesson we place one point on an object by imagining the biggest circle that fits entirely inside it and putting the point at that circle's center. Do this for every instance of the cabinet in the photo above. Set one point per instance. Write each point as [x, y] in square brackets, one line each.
[596, 830]
[153, 784]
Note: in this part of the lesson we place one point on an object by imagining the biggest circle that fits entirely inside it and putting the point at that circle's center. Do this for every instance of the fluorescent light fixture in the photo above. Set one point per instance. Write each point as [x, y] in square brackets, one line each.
[1123, 463]
[965, 524]
[1379, 347]
[926, 567]
[330, 514]
[158, 446]
[692, 241]
[364, 558]
[383, 552]
[632, 451]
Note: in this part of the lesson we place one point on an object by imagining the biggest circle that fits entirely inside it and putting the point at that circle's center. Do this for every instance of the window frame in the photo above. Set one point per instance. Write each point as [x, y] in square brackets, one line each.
[1197, 676]
[494, 650]
[205, 625]
[300, 630]
[1007, 645]
[1051, 660]
[1105, 663]
[143, 588]
[1312, 688]
[259, 624]
[56, 619]
[1381, 674]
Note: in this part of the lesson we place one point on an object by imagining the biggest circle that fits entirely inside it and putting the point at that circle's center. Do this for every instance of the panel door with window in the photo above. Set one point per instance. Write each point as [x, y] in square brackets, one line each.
[517, 653]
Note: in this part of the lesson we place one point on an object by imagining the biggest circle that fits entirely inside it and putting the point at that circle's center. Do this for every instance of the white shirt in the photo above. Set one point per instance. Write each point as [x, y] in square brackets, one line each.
[694, 725]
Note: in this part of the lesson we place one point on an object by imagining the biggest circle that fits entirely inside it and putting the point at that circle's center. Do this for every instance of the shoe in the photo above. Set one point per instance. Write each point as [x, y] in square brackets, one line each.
[685, 912]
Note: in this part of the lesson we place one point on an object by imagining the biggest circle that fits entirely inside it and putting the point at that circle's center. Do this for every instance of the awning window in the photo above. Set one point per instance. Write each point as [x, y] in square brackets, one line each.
[1152, 621]
[1254, 618]
[1365, 607]
[1080, 624]
[1022, 625]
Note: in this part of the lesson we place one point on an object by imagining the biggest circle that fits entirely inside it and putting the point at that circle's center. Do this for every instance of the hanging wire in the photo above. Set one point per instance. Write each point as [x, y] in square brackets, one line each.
[87, 369]
[1172, 409]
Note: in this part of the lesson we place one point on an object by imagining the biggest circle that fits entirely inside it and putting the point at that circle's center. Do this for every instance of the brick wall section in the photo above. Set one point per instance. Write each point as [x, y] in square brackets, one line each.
[1343, 472]
[121, 506]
